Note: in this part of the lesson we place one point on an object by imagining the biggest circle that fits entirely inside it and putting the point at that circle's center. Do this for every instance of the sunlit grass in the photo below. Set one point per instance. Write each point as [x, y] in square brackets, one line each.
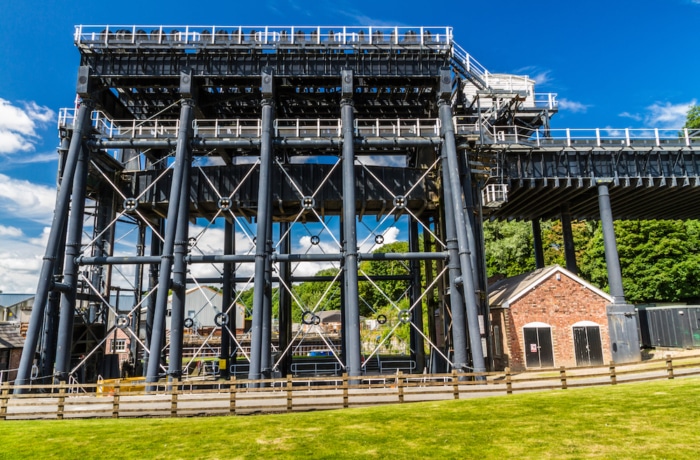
[649, 420]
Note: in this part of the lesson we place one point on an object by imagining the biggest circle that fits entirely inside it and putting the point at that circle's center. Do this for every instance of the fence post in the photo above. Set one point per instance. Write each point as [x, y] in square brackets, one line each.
[455, 384]
[115, 399]
[61, 400]
[509, 382]
[562, 377]
[669, 367]
[233, 389]
[289, 393]
[346, 395]
[4, 396]
[613, 376]
[173, 397]
[400, 379]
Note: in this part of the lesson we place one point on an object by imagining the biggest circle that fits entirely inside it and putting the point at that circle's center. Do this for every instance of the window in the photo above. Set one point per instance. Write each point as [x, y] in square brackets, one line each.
[497, 349]
[118, 345]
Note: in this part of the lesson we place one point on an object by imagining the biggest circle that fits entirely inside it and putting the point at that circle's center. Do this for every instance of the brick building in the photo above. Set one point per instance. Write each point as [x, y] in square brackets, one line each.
[548, 318]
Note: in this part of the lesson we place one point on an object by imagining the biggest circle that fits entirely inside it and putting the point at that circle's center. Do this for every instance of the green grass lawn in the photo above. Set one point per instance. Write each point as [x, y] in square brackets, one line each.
[648, 420]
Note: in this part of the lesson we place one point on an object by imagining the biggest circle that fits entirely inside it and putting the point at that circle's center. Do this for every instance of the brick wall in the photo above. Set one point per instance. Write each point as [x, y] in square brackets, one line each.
[558, 303]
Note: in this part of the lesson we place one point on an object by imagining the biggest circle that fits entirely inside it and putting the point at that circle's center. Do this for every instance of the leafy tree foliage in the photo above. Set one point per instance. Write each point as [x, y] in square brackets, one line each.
[693, 118]
[659, 260]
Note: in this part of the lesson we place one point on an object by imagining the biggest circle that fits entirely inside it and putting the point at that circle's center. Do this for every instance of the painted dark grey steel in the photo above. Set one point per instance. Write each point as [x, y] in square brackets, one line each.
[352, 308]
[455, 188]
[227, 299]
[417, 341]
[70, 271]
[254, 143]
[58, 226]
[612, 259]
[537, 243]
[459, 321]
[179, 285]
[179, 169]
[568, 236]
[262, 235]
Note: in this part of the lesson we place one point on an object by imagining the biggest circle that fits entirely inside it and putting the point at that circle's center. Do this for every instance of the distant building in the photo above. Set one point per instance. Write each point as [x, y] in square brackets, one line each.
[11, 344]
[203, 307]
[548, 318]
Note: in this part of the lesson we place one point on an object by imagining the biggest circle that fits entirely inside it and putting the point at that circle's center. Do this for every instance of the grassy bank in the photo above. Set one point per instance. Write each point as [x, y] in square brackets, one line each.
[648, 420]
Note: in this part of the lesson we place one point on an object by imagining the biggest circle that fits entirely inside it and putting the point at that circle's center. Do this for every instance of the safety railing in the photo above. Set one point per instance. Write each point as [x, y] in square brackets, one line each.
[316, 368]
[398, 127]
[133, 36]
[227, 128]
[468, 63]
[317, 127]
[600, 137]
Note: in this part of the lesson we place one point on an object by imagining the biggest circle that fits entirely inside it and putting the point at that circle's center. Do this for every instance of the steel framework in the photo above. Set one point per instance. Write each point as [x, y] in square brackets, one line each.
[250, 157]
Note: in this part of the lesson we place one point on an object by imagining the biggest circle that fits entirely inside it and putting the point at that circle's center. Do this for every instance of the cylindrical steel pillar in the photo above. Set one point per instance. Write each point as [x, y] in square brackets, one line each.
[58, 225]
[568, 236]
[537, 243]
[161, 305]
[262, 236]
[70, 273]
[455, 188]
[417, 342]
[285, 300]
[352, 308]
[179, 286]
[611, 257]
[227, 300]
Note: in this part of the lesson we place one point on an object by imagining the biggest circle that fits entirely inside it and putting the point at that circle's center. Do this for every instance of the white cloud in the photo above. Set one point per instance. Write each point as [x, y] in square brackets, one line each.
[25, 200]
[633, 116]
[573, 106]
[18, 125]
[20, 259]
[667, 115]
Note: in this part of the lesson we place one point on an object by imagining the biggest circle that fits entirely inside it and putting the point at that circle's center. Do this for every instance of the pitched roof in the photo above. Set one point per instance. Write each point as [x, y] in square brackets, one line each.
[9, 300]
[506, 291]
[10, 337]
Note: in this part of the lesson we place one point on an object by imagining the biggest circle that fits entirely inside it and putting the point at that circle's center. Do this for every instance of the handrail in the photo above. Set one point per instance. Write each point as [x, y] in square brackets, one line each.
[396, 127]
[598, 136]
[125, 36]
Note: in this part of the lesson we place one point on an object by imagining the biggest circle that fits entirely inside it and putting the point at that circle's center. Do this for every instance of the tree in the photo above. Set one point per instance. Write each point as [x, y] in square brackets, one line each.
[692, 120]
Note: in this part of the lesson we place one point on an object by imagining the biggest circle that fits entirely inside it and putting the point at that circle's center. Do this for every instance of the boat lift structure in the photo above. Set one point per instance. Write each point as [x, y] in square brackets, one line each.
[243, 157]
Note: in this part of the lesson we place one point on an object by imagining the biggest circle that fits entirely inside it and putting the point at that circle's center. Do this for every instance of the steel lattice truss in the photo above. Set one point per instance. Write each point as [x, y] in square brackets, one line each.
[247, 160]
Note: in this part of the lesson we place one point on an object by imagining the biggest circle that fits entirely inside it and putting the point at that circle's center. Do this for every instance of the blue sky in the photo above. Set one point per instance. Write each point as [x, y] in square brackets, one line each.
[613, 64]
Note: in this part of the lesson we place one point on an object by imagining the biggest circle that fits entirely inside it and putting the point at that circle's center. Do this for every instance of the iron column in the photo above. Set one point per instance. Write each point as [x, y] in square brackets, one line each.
[70, 273]
[455, 189]
[262, 231]
[179, 170]
[537, 243]
[568, 235]
[179, 286]
[352, 308]
[58, 225]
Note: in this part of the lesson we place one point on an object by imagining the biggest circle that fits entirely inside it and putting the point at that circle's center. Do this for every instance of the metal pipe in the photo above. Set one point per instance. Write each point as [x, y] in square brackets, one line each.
[181, 155]
[455, 189]
[417, 342]
[352, 308]
[612, 259]
[227, 299]
[153, 275]
[58, 225]
[70, 272]
[537, 243]
[568, 236]
[459, 332]
[255, 143]
[50, 332]
[262, 235]
[179, 286]
[285, 300]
